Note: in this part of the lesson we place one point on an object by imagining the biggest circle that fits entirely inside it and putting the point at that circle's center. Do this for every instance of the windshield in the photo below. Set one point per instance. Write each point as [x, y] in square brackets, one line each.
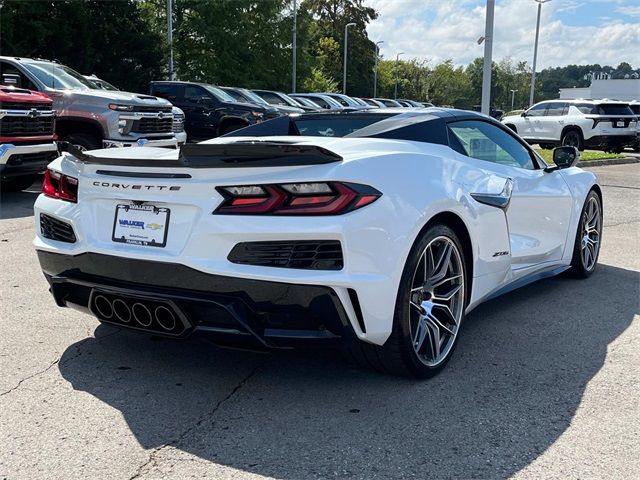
[219, 94]
[253, 97]
[58, 76]
[290, 100]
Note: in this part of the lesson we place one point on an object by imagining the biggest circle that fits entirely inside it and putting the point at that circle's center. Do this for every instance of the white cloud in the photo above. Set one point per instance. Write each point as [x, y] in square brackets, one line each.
[438, 30]
[629, 10]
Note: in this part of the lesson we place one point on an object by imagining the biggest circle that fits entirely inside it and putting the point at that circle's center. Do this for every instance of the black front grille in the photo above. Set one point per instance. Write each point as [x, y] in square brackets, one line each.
[309, 255]
[55, 229]
[153, 109]
[26, 126]
[24, 106]
[153, 125]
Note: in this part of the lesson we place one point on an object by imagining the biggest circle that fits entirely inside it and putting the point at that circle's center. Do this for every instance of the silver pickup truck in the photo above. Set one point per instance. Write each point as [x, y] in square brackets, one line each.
[91, 118]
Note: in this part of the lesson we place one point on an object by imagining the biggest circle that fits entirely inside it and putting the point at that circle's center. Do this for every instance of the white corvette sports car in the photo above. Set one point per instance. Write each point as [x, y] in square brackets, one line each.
[376, 229]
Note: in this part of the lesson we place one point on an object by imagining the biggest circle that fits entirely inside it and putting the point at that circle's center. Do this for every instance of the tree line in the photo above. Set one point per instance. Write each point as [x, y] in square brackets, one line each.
[249, 43]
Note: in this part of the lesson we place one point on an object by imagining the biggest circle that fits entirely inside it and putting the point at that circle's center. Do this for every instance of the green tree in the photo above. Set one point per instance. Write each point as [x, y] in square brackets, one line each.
[319, 82]
[330, 18]
[111, 39]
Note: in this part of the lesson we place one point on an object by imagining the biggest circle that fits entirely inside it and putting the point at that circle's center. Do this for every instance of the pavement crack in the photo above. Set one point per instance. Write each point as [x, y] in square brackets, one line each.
[20, 382]
[54, 363]
[154, 453]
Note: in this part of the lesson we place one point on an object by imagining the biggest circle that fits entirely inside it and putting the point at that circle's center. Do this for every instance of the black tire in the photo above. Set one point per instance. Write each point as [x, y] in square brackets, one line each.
[17, 184]
[397, 356]
[573, 138]
[578, 268]
[84, 141]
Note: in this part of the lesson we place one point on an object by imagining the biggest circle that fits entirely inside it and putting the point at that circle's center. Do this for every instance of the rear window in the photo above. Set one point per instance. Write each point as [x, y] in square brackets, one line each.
[331, 126]
[170, 92]
[610, 109]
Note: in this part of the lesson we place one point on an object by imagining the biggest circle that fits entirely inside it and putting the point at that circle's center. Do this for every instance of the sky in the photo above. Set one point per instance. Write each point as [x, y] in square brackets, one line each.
[571, 31]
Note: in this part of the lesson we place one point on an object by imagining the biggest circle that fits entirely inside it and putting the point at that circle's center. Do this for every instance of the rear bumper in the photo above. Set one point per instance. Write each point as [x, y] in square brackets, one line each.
[17, 160]
[601, 141]
[256, 313]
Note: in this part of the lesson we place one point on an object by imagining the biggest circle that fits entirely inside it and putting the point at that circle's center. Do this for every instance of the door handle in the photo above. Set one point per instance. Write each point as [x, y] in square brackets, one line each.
[499, 200]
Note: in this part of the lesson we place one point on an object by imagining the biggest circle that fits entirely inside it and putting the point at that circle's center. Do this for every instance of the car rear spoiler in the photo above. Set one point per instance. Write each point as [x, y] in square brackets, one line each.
[241, 154]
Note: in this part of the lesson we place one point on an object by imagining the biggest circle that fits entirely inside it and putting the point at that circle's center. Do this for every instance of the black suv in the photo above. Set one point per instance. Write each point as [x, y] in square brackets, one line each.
[210, 111]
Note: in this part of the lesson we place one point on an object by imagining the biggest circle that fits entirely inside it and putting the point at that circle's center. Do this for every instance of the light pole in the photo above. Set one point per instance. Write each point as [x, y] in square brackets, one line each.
[375, 69]
[172, 75]
[486, 67]
[395, 94]
[513, 94]
[535, 52]
[294, 52]
[344, 73]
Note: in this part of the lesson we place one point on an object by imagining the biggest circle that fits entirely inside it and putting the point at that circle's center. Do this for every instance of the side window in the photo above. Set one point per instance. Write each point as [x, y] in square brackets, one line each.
[194, 93]
[15, 77]
[485, 141]
[556, 109]
[170, 92]
[272, 98]
[584, 108]
[320, 101]
[537, 110]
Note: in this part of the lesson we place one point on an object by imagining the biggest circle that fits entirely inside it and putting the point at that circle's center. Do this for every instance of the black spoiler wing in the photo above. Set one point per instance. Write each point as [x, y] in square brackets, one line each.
[248, 154]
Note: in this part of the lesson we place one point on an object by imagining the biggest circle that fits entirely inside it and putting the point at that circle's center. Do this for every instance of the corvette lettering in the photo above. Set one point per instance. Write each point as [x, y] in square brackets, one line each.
[130, 186]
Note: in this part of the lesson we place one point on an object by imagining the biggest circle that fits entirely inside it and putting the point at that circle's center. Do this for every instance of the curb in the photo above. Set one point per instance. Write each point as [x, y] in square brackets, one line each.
[612, 161]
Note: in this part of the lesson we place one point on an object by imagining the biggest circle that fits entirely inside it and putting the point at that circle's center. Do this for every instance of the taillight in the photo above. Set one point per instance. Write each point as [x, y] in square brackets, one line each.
[58, 185]
[317, 198]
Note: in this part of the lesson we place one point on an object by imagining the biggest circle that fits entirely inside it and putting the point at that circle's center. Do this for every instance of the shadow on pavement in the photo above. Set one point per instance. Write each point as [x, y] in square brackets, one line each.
[510, 391]
[19, 204]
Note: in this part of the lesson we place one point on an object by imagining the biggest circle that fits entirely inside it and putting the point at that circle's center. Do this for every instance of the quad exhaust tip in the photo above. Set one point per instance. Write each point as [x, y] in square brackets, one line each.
[121, 310]
[103, 306]
[142, 314]
[148, 314]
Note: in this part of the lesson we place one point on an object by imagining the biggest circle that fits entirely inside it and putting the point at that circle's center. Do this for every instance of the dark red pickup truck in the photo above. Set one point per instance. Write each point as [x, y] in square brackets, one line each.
[27, 138]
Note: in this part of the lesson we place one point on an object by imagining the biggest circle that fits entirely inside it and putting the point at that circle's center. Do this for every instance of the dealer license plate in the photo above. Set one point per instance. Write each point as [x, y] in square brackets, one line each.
[619, 124]
[141, 225]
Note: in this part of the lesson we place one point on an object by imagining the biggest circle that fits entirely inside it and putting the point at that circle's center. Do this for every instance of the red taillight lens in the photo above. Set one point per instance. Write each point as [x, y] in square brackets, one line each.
[326, 198]
[58, 185]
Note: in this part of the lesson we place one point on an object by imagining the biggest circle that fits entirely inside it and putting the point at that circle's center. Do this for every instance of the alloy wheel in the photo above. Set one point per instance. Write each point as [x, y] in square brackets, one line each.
[591, 226]
[436, 301]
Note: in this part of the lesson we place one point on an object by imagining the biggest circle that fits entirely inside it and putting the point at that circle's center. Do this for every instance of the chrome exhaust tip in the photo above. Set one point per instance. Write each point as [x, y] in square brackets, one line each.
[141, 314]
[103, 307]
[165, 318]
[122, 310]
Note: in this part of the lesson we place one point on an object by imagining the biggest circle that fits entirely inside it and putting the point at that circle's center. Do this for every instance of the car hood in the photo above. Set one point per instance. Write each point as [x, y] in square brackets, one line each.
[110, 96]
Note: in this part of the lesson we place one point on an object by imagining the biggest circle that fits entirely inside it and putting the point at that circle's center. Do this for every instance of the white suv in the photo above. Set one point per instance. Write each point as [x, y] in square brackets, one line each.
[598, 124]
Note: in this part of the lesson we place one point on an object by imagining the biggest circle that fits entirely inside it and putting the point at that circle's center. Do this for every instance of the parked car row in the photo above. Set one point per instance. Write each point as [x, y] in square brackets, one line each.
[596, 124]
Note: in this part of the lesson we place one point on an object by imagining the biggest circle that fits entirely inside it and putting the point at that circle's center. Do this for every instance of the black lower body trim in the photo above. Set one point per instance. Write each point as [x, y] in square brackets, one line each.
[266, 314]
[610, 141]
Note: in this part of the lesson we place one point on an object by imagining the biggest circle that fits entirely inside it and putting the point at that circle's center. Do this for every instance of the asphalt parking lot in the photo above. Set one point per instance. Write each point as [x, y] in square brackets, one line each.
[545, 384]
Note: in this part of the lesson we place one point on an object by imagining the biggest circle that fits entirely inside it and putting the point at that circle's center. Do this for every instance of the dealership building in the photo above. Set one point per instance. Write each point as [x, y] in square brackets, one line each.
[625, 89]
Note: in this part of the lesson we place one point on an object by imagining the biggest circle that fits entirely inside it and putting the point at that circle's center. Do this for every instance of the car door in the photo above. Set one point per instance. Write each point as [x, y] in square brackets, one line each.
[202, 118]
[539, 211]
[553, 121]
[530, 128]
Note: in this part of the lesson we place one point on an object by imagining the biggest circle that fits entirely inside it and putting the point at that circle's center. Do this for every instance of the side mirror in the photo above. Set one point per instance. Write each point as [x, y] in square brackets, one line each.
[523, 114]
[204, 101]
[11, 80]
[565, 157]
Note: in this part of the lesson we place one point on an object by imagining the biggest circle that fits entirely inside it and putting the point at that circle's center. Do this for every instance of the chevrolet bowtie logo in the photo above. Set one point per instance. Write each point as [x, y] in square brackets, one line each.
[154, 226]
[161, 115]
[33, 113]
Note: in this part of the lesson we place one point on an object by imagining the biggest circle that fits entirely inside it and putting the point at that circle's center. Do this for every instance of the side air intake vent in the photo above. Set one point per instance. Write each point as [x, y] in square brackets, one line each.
[310, 255]
[55, 229]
